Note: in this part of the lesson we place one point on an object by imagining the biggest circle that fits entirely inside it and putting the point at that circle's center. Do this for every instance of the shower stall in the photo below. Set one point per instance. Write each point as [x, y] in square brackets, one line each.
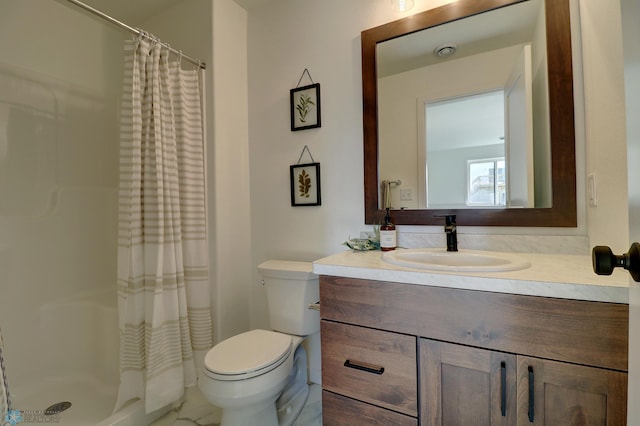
[60, 93]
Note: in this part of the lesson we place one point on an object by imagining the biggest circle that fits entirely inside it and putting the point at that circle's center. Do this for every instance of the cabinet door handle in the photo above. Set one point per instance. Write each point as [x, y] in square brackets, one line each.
[531, 398]
[363, 366]
[503, 388]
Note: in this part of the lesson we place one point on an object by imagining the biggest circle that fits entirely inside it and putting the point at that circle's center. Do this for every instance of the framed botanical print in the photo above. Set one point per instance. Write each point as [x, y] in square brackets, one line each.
[305, 107]
[305, 184]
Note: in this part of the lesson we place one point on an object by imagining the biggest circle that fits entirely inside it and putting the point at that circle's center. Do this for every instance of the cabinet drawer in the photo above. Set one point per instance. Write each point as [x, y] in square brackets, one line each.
[340, 410]
[377, 367]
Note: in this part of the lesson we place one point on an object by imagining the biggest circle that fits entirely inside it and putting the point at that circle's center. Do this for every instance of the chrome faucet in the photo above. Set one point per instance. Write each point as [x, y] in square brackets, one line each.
[450, 231]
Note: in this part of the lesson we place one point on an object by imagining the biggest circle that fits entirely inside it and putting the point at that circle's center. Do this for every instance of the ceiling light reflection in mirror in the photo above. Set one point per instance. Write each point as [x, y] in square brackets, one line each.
[402, 5]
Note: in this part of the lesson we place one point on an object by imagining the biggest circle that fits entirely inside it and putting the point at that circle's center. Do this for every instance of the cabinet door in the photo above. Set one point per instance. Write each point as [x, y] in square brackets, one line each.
[466, 386]
[557, 393]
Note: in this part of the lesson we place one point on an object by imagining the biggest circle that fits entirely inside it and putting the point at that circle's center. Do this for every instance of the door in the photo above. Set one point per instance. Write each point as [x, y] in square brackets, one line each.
[631, 49]
[466, 386]
[518, 147]
[558, 393]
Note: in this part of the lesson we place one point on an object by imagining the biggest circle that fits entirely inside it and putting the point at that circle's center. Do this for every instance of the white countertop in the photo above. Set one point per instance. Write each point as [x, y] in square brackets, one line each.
[560, 276]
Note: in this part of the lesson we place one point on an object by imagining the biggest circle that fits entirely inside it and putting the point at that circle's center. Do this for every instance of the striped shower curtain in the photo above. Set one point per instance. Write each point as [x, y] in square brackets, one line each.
[5, 396]
[163, 288]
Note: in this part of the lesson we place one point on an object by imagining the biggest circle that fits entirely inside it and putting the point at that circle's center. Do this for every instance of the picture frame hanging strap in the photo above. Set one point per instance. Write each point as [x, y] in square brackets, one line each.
[306, 71]
[306, 148]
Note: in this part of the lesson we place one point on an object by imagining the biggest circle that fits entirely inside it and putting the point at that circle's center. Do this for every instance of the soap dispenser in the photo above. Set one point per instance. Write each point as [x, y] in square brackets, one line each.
[388, 240]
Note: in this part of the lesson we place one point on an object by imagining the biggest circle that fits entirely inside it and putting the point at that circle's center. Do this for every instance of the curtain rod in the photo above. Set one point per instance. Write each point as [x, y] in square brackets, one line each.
[113, 20]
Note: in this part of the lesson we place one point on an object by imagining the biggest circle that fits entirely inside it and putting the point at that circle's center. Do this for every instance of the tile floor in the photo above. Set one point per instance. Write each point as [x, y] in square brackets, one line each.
[196, 411]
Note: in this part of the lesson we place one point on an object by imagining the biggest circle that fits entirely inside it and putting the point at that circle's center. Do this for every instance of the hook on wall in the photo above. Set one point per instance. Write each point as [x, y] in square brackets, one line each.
[306, 148]
[306, 71]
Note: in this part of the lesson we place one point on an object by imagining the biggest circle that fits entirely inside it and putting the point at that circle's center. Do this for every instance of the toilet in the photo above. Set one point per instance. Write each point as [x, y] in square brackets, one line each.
[261, 377]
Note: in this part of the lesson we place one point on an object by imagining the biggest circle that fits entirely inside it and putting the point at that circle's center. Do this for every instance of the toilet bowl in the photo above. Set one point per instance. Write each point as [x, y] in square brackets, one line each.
[261, 377]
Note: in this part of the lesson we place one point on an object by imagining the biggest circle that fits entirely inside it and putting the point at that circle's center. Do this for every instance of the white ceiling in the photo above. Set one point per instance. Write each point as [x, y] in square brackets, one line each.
[252, 4]
[133, 12]
[478, 121]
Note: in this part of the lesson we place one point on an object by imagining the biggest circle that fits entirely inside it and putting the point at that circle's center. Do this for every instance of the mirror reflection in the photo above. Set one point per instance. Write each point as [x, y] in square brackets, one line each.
[463, 115]
[464, 151]
[545, 194]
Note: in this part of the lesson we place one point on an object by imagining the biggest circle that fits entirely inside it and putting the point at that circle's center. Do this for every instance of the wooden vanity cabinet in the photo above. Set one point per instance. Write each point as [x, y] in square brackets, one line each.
[480, 358]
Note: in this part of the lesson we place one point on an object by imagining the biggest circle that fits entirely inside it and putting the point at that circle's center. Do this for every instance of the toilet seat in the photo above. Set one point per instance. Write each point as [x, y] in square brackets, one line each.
[247, 355]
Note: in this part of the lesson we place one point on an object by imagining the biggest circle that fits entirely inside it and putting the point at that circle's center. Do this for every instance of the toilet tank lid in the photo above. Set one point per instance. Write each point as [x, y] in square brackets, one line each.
[287, 269]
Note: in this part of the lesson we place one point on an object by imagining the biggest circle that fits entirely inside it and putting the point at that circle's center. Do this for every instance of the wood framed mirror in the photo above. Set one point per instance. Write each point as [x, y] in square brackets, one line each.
[562, 211]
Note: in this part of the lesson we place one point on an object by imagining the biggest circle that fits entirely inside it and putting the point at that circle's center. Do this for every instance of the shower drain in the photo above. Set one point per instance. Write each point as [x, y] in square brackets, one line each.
[57, 408]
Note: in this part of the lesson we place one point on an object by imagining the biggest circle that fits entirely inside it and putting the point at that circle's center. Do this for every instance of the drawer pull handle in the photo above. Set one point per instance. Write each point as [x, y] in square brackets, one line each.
[531, 398]
[363, 366]
[503, 388]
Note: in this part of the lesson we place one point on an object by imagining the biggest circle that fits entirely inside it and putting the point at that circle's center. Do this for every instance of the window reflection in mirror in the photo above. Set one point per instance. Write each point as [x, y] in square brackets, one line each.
[486, 185]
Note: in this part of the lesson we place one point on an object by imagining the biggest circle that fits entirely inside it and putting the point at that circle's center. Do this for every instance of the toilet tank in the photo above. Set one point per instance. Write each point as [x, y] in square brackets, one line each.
[291, 288]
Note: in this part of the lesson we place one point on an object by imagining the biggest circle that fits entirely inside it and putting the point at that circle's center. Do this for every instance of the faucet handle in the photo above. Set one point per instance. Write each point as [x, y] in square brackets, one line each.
[450, 219]
[450, 230]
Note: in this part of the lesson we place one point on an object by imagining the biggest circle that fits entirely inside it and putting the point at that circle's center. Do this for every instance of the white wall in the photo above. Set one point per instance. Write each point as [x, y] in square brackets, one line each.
[77, 239]
[287, 36]
[605, 121]
[59, 95]
[450, 190]
[216, 32]
[284, 37]
[232, 214]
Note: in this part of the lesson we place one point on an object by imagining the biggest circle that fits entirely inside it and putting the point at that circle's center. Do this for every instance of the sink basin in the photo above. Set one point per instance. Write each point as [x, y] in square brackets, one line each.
[457, 261]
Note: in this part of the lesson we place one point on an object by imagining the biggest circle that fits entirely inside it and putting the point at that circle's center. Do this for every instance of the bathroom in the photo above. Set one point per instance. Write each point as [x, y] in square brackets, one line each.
[254, 57]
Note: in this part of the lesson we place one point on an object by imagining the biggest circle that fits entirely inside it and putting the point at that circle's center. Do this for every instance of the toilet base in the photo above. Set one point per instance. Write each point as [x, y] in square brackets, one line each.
[291, 402]
[282, 412]
[288, 414]
[262, 414]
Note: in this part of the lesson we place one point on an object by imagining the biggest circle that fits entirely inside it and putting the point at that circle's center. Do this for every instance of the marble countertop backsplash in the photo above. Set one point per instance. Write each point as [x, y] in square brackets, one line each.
[511, 243]
[566, 276]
